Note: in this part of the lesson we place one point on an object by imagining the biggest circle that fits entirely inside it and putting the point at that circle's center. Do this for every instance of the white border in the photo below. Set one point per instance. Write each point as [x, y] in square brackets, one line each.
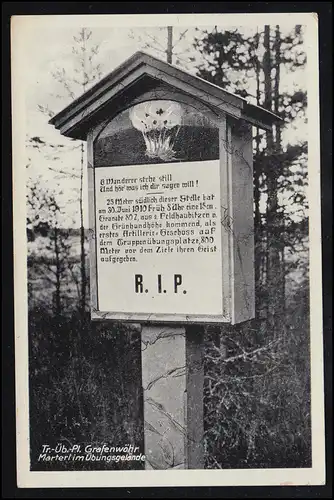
[253, 477]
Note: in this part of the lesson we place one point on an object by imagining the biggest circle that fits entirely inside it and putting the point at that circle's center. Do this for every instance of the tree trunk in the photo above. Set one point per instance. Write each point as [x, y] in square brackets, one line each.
[58, 273]
[169, 50]
[82, 244]
[278, 149]
[273, 267]
[277, 83]
[257, 195]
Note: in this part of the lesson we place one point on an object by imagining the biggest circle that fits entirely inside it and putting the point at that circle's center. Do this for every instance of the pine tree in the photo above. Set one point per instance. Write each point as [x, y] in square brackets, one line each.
[225, 59]
[85, 71]
[280, 227]
[50, 261]
[172, 44]
[231, 60]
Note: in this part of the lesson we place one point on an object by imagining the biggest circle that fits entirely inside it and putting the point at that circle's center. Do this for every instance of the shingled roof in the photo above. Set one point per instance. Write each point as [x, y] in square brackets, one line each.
[143, 69]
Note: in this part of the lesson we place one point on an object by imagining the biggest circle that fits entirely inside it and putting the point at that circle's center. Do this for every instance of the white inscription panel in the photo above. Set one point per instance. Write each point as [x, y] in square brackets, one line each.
[158, 238]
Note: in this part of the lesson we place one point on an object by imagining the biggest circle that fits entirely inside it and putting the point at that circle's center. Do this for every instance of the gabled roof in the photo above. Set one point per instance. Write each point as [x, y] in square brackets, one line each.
[141, 70]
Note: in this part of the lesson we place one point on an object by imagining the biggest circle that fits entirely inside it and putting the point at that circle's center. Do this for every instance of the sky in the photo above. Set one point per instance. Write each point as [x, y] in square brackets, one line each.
[49, 48]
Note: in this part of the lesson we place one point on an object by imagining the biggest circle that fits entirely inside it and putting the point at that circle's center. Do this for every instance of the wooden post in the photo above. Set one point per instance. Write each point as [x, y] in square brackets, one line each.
[172, 377]
[194, 401]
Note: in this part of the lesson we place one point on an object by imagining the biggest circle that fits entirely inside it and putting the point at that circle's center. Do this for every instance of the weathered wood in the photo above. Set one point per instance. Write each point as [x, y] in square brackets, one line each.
[225, 167]
[85, 117]
[92, 222]
[157, 318]
[172, 378]
[242, 220]
[112, 99]
[194, 451]
[190, 88]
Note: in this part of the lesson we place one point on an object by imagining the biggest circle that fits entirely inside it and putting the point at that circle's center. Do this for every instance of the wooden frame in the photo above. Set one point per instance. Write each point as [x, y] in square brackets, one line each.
[235, 308]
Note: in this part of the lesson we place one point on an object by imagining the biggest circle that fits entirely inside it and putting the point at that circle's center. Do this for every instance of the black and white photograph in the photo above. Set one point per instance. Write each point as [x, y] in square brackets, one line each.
[167, 250]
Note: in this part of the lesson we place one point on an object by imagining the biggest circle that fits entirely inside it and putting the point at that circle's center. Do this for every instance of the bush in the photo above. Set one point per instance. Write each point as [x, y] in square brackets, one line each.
[257, 392]
[85, 387]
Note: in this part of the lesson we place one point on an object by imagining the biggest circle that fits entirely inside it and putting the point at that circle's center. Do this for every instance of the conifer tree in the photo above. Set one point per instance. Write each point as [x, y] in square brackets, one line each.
[86, 70]
[244, 420]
